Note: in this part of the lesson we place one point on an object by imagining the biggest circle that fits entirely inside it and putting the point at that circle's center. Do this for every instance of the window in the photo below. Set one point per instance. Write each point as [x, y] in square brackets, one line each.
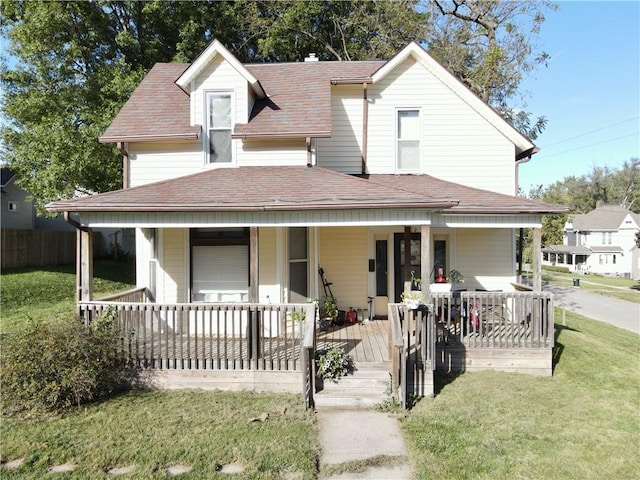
[408, 140]
[220, 264]
[298, 265]
[218, 106]
[12, 207]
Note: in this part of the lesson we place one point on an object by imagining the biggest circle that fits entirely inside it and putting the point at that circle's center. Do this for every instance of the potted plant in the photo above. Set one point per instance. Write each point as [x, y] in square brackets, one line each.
[333, 363]
[328, 308]
[413, 299]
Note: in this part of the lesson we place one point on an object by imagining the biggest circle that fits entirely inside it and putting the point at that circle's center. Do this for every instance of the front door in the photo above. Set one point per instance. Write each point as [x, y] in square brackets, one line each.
[398, 261]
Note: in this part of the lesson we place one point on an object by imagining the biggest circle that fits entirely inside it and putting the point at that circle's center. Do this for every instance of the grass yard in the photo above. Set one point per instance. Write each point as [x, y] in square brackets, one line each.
[582, 423]
[152, 431]
[617, 287]
[49, 292]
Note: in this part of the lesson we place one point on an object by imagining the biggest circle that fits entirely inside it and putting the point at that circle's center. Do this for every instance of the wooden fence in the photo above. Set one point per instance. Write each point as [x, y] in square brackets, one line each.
[39, 248]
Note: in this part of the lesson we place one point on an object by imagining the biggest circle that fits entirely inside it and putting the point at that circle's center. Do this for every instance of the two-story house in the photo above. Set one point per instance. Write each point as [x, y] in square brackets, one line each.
[243, 180]
[602, 241]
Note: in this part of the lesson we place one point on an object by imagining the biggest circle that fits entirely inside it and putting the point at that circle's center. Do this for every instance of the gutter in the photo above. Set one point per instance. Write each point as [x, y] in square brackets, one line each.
[151, 138]
[242, 136]
[523, 157]
[248, 208]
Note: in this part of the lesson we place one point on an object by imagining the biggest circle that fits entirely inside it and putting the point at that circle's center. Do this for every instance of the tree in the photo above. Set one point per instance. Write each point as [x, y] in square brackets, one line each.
[489, 45]
[78, 62]
[581, 195]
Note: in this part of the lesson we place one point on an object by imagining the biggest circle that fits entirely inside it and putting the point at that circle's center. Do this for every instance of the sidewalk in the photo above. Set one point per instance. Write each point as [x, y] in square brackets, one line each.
[360, 436]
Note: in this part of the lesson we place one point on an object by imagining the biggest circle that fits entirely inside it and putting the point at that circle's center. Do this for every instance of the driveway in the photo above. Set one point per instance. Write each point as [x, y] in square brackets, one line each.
[616, 312]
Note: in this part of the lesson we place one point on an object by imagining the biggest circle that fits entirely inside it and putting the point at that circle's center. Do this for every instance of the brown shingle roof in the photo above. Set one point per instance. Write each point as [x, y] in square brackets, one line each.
[299, 96]
[301, 188]
[157, 109]
[254, 189]
[298, 103]
[470, 200]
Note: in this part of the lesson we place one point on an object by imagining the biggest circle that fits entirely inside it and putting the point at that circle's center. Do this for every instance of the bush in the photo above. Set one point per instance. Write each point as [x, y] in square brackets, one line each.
[49, 366]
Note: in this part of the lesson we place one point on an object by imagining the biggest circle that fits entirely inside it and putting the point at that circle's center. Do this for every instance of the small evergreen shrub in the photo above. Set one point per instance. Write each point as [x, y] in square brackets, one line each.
[49, 366]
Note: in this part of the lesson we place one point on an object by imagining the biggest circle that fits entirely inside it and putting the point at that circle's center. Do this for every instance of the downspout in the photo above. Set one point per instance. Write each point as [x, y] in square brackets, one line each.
[365, 127]
[309, 152]
[125, 164]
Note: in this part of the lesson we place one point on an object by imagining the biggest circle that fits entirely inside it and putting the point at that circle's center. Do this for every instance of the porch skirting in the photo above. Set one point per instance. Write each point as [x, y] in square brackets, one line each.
[534, 361]
[227, 380]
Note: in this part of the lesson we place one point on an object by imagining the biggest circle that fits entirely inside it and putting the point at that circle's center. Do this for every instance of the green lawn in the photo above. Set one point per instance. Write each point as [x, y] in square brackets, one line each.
[153, 431]
[581, 423]
[49, 292]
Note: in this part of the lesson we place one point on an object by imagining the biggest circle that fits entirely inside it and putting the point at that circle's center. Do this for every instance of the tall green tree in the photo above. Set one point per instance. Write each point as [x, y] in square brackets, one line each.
[78, 62]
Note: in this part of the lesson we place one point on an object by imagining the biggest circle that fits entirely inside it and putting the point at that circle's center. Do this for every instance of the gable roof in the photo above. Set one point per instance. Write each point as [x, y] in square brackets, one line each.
[157, 110]
[214, 49]
[603, 217]
[415, 51]
[300, 188]
[293, 99]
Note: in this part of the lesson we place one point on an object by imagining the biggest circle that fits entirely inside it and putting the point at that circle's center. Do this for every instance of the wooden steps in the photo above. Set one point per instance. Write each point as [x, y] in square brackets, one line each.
[368, 386]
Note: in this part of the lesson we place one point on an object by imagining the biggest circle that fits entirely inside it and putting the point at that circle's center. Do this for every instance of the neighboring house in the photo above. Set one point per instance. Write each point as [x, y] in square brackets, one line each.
[243, 180]
[602, 241]
[17, 207]
[19, 214]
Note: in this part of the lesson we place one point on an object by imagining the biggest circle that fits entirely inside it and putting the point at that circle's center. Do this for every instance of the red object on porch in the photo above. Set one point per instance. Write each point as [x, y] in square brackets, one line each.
[440, 276]
[351, 316]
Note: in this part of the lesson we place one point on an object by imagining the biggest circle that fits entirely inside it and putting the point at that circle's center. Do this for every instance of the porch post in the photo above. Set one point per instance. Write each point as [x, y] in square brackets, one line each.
[253, 265]
[253, 335]
[86, 264]
[407, 259]
[537, 259]
[425, 258]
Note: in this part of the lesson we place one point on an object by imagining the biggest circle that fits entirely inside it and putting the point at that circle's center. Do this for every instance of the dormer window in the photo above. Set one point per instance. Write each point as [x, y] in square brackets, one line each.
[408, 140]
[218, 141]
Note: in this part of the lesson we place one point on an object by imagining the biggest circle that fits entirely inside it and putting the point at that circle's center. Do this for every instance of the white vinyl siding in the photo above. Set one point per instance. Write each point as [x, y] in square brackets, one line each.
[458, 144]
[156, 161]
[261, 152]
[172, 272]
[344, 258]
[485, 257]
[343, 151]
[270, 291]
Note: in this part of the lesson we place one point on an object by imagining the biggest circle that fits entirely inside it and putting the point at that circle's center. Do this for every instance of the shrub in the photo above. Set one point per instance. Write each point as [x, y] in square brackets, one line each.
[49, 366]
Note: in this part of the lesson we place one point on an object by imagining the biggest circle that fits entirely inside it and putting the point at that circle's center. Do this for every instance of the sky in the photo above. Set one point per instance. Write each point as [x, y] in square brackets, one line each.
[589, 92]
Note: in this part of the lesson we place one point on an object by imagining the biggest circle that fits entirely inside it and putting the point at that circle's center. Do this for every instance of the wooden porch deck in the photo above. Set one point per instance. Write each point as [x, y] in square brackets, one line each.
[365, 342]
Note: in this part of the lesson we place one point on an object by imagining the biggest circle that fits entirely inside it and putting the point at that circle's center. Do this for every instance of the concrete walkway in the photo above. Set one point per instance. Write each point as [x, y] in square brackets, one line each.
[369, 442]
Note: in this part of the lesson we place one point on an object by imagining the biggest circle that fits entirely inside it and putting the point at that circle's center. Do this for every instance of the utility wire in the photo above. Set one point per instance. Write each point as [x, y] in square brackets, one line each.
[587, 146]
[592, 131]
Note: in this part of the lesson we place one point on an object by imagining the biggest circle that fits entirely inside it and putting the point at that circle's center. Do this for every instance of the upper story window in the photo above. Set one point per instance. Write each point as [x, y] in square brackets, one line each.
[12, 206]
[218, 110]
[408, 140]
[606, 238]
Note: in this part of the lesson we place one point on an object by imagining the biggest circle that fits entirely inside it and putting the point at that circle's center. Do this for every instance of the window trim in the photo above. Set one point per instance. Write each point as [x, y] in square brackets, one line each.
[206, 128]
[397, 141]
